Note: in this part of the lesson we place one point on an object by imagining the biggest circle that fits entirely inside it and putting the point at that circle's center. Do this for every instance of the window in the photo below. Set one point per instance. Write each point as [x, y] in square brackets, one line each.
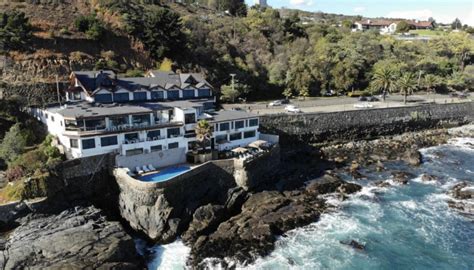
[153, 135]
[131, 136]
[118, 121]
[106, 141]
[157, 95]
[173, 145]
[77, 95]
[95, 124]
[249, 134]
[61, 123]
[239, 124]
[103, 98]
[173, 132]
[139, 96]
[133, 152]
[188, 93]
[120, 97]
[174, 94]
[224, 126]
[189, 118]
[88, 143]
[52, 118]
[74, 143]
[141, 119]
[235, 136]
[156, 148]
[253, 122]
[46, 115]
[221, 139]
[204, 93]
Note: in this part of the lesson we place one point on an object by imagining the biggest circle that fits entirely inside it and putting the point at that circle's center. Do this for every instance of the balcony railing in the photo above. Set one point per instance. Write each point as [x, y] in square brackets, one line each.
[124, 127]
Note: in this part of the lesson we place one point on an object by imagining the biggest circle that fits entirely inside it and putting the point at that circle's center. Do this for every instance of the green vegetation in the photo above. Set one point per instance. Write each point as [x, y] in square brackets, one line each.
[91, 26]
[231, 93]
[203, 133]
[403, 27]
[15, 31]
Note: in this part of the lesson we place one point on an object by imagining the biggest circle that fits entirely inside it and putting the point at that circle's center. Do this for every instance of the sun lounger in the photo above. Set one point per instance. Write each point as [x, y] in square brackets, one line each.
[145, 168]
[151, 167]
[139, 171]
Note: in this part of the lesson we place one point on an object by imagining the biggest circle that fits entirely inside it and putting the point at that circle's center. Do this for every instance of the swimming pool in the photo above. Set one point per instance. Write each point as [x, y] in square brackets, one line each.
[164, 174]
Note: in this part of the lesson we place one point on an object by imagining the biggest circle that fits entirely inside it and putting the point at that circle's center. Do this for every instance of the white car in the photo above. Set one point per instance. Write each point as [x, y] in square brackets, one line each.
[275, 103]
[292, 109]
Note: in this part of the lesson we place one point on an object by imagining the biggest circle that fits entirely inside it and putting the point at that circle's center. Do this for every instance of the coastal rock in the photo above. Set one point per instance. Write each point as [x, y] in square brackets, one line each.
[412, 157]
[426, 177]
[382, 184]
[205, 218]
[354, 244]
[77, 238]
[265, 215]
[401, 177]
[462, 191]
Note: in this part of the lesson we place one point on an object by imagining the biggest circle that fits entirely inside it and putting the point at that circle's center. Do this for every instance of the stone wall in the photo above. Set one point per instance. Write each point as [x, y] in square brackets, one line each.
[362, 124]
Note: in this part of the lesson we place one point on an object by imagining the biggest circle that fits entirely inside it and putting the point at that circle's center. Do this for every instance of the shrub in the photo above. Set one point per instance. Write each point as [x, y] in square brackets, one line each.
[13, 144]
[91, 26]
[14, 173]
[15, 31]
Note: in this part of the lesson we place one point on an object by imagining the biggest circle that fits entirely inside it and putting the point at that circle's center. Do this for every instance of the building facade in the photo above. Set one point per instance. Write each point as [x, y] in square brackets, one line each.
[133, 116]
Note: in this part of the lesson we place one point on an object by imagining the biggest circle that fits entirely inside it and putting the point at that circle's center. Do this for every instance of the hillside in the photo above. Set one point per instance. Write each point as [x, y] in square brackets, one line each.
[273, 52]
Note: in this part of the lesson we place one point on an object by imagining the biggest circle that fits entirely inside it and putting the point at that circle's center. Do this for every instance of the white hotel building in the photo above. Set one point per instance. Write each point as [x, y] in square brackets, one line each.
[134, 116]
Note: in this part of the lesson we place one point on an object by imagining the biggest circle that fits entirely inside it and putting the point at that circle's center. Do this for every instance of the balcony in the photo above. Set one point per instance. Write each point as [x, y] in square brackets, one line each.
[120, 128]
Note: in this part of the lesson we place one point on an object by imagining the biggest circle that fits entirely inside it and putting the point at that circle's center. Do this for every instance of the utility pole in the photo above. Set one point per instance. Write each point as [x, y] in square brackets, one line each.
[233, 84]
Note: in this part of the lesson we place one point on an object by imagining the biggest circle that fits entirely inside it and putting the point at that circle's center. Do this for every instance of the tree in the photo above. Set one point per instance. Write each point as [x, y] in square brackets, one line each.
[15, 31]
[230, 93]
[407, 85]
[430, 82]
[456, 81]
[384, 79]
[91, 26]
[456, 24]
[403, 27]
[13, 144]
[203, 133]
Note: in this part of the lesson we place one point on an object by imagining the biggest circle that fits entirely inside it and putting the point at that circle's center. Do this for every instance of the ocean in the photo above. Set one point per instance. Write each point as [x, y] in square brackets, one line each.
[401, 226]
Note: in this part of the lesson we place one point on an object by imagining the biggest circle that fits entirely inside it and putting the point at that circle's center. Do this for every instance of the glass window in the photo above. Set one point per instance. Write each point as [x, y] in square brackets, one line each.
[94, 124]
[253, 122]
[118, 120]
[239, 124]
[249, 134]
[188, 93]
[153, 134]
[174, 94]
[235, 136]
[189, 118]
[133, 152]
[103, 98]
[74, 143]
[173, 145]
[221, 138]
[141, 119]
[204, 93]
[131, 136]
[173, 132]
[224, 126]
[52, 118]
[77, 95]
[106, 141]
[139, 95]
[120, 97]
[88, 143]
[157, 95]
[156, 148]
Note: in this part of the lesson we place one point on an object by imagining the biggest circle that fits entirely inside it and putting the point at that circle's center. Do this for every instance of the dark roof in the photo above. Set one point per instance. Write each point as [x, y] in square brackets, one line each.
[228, 115]
[91, 80]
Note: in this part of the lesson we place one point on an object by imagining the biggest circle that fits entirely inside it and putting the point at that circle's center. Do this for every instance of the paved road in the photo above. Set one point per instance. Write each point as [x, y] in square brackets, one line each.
[332, 104]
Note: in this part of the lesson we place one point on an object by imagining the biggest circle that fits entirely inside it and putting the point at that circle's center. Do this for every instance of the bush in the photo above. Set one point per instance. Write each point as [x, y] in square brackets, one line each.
[13, 144]
[14, 173]
[15, 31]
[91, 26]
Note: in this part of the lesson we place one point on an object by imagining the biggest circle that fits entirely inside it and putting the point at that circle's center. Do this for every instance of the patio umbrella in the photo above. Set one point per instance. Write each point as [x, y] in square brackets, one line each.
[239, 150]
[258, 144]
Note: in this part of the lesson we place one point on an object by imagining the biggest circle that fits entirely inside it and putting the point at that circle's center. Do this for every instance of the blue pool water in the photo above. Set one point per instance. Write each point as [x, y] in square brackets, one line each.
[165, 174]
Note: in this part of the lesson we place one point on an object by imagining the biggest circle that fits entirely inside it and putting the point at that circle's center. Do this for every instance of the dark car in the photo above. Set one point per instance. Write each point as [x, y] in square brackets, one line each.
[362, 98]
[372, 99]
[285, 101]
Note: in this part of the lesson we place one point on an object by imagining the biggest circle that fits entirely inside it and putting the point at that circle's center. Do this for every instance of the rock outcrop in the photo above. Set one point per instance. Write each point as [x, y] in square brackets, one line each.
[264, 216]
[77, 238]
[463, 199]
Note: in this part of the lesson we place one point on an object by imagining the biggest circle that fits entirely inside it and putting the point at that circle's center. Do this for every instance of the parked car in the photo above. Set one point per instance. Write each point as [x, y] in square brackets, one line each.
[292, 109]
[362, 98]
[372, 99]
[275, 103]
[329, 93]
[285, 101]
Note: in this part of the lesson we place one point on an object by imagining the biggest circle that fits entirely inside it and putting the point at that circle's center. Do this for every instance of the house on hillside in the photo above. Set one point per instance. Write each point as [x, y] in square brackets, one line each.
[158, 114]
[390, 26]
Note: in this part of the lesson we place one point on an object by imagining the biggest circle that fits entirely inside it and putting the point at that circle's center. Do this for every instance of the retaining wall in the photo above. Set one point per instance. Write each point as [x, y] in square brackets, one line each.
[362, 124]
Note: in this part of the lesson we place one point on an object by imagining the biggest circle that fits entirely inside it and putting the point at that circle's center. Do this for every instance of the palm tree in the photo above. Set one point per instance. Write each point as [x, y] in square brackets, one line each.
[385, 79]
[203, 133]
[430, 82]
[406, 83]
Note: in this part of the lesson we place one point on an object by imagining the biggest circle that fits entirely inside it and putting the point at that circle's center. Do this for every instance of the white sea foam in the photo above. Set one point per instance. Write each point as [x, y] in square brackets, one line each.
[169, 257]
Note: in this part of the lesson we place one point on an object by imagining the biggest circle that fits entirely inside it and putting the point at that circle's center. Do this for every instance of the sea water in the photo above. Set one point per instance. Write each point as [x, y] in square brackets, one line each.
[401, 226]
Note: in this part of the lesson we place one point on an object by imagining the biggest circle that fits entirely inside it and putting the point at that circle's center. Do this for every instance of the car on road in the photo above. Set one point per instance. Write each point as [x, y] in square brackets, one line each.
[275, 103]
[292, 109]
[372, 99]
[362, 98]
[285, 101]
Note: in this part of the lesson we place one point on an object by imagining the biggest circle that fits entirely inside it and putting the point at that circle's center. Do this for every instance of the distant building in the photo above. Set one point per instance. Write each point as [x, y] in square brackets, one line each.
[261, 3]
[390, 26]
